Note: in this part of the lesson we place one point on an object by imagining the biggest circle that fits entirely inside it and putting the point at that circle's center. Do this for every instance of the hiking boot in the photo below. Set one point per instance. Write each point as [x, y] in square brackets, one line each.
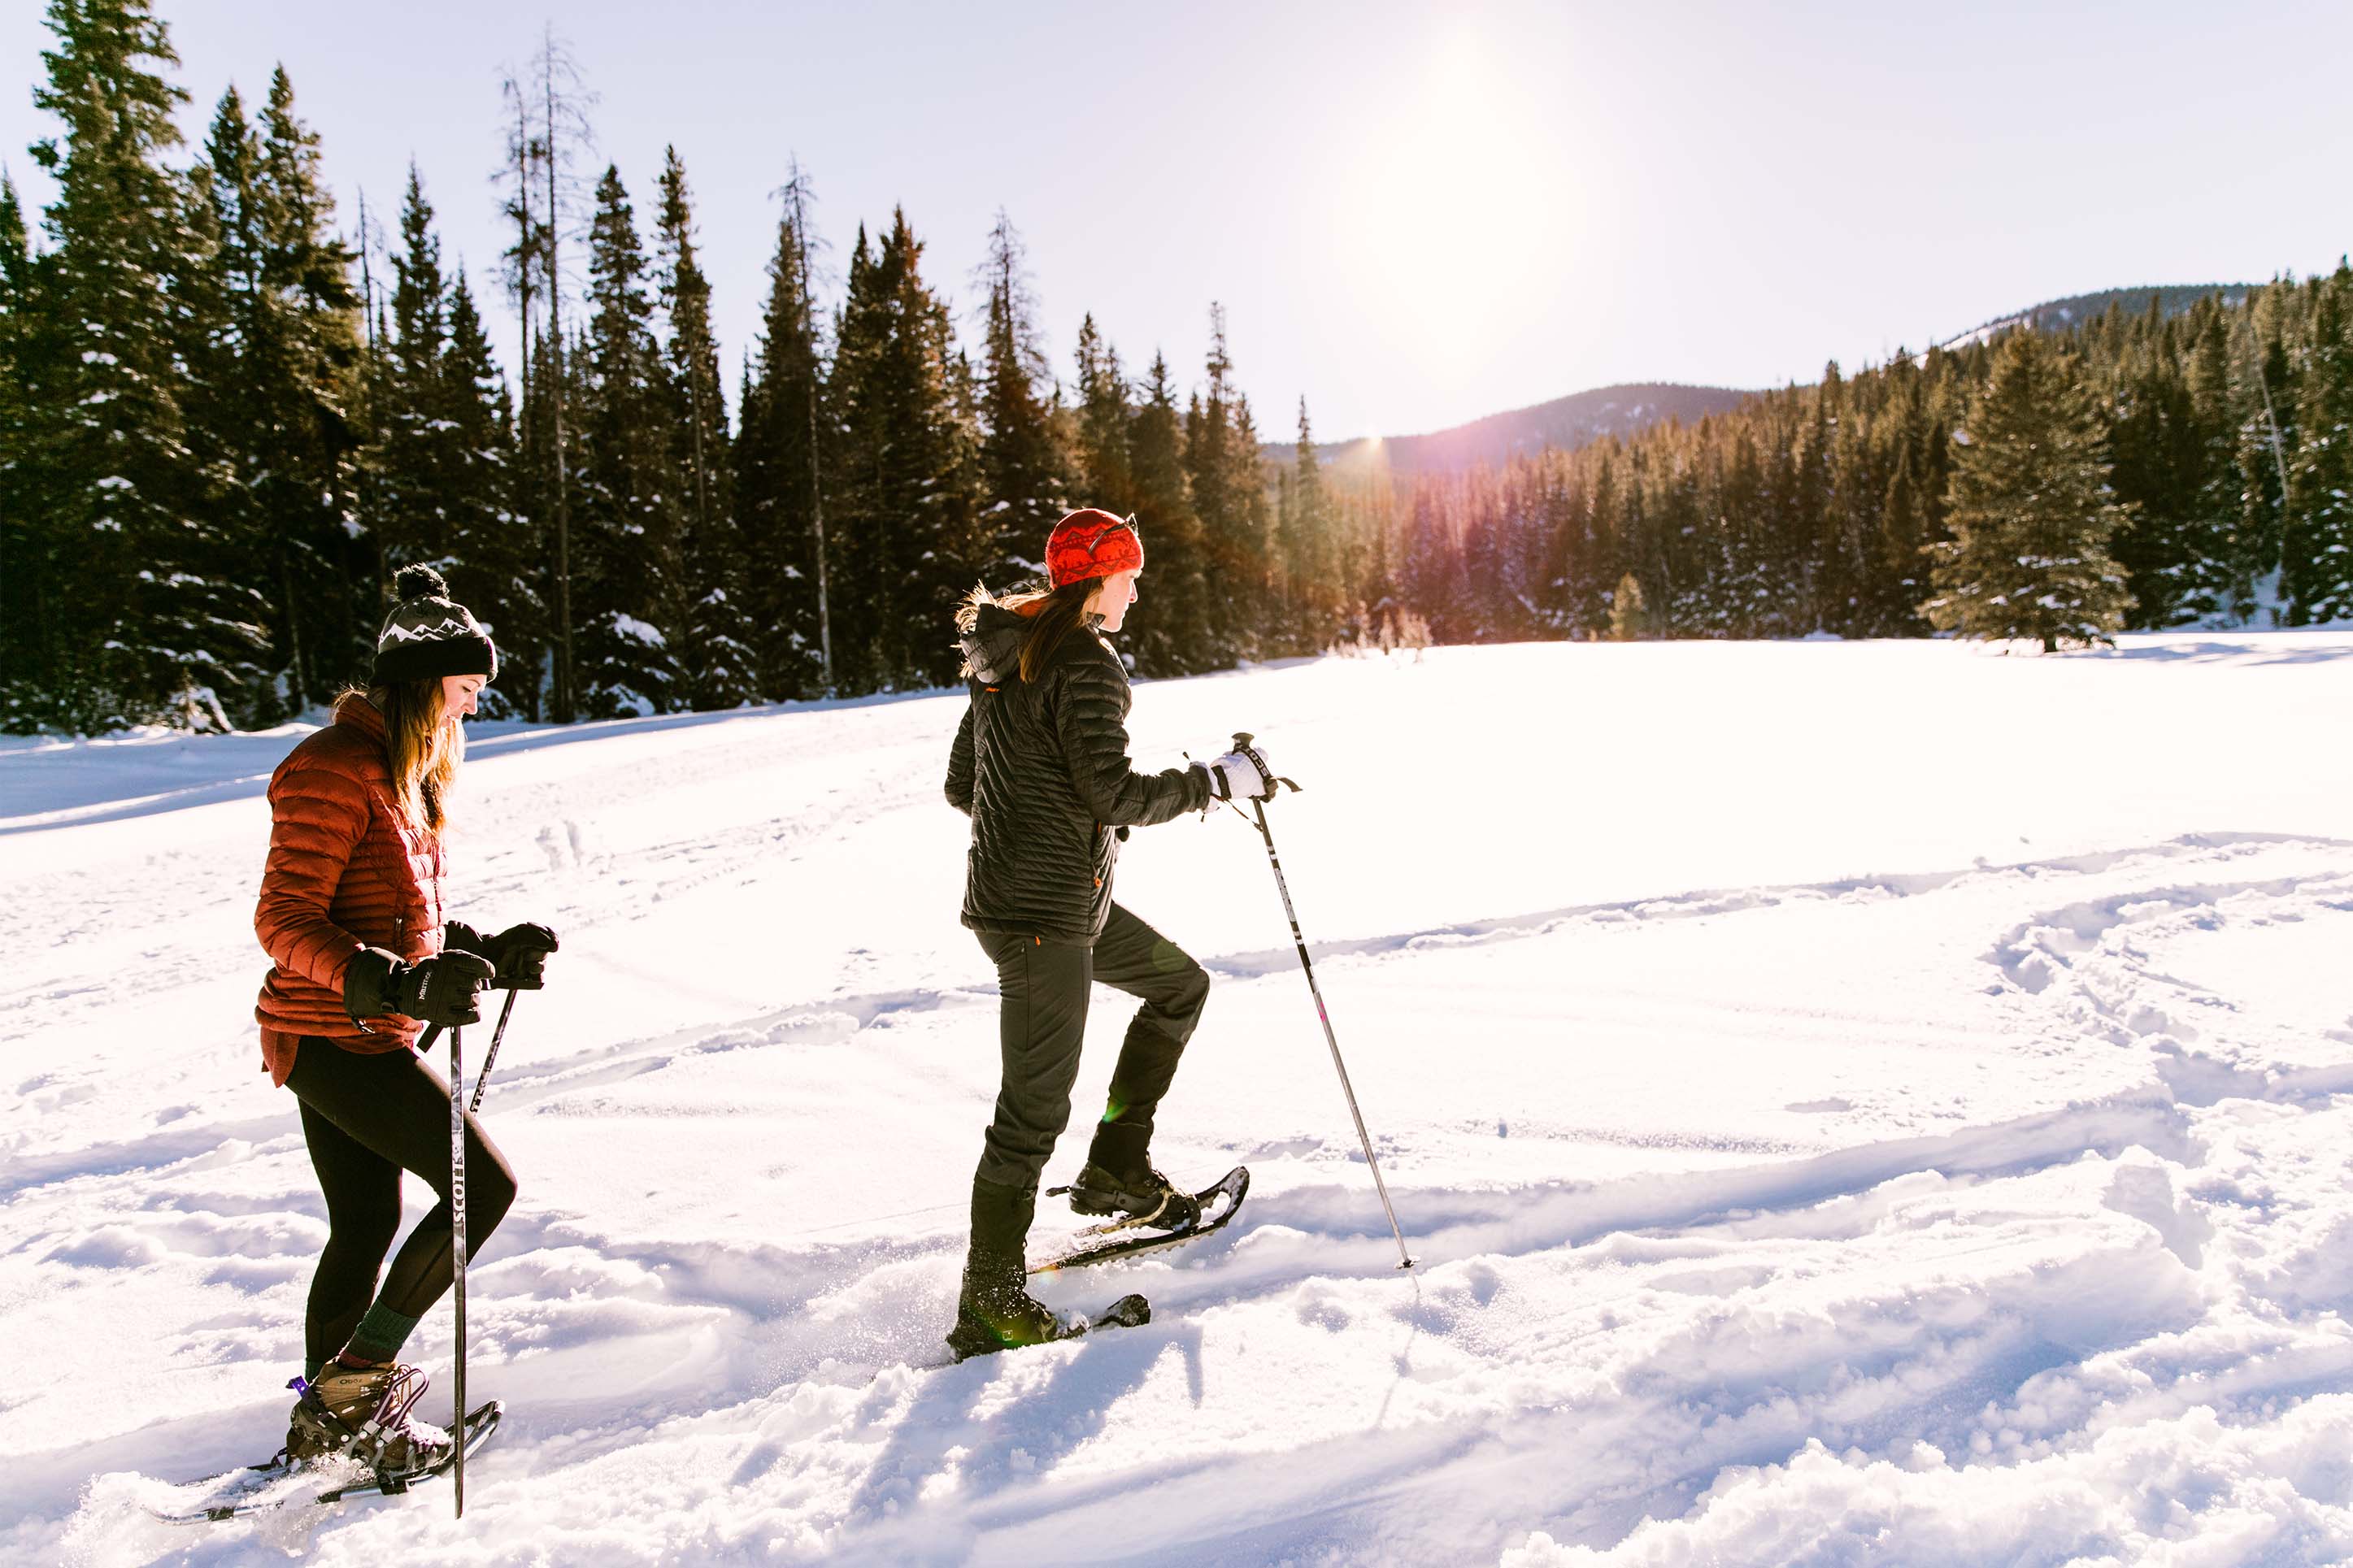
[363, 1413]
[995, 1311]
[1145, 1198]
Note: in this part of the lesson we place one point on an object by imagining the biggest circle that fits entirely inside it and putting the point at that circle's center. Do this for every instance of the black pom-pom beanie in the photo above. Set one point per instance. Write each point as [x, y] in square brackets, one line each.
[428, 634]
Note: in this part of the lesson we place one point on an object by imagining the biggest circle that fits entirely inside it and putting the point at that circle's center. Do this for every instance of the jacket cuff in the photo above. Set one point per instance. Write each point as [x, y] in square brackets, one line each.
[367, 984]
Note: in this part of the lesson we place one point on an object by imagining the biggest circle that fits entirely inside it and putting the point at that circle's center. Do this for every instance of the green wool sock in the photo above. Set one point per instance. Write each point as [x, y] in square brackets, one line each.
[381, 1334]
[310, 1370]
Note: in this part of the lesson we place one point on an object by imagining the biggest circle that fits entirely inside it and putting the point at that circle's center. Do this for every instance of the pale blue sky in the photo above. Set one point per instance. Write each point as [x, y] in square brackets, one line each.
[1415, 214]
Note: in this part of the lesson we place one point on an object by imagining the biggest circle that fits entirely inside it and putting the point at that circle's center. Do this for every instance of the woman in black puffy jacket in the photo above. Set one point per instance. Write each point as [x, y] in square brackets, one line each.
[1041, 765]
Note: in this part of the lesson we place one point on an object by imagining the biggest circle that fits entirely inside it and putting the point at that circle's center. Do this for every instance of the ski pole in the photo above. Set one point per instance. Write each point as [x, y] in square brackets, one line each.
[457, 1242]
[490, 1056]
[1307, 966]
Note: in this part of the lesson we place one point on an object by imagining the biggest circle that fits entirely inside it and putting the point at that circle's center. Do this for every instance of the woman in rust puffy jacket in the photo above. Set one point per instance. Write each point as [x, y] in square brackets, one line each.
[351, 916]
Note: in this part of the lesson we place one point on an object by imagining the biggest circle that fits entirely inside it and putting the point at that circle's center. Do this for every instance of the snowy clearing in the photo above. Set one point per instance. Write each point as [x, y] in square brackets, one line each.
[1869, 1102]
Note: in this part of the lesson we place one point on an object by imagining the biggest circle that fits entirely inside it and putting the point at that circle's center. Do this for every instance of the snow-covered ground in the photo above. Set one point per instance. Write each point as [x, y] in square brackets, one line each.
[1852, 1103]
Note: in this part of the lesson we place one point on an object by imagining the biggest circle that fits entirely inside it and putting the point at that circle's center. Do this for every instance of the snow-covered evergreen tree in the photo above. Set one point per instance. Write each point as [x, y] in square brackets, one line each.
[1025, 474]
[907, 534]
[23, 611]
[2319, 573]
[721, 665]
[499, 570]
[273, 324]
[416, 455]
[2033, 511]
[778, 478]
[142, 616]
[630, 591]
[1166, 630]
[1228, 491]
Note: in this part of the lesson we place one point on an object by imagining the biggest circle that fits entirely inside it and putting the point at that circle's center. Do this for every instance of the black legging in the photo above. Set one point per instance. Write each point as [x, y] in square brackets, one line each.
[368, 1118]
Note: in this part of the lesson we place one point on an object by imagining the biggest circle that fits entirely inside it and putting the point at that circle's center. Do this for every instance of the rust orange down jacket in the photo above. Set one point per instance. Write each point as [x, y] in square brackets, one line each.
[345, 871]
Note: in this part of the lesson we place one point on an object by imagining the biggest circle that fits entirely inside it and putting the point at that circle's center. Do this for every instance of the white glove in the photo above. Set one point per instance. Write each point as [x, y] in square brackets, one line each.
[1235, 777]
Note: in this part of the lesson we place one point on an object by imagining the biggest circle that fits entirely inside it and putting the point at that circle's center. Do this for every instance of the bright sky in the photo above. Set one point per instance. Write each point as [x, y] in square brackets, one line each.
[1415, 214]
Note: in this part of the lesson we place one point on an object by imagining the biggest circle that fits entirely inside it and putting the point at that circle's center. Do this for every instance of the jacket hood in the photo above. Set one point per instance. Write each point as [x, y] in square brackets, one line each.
[992, 648]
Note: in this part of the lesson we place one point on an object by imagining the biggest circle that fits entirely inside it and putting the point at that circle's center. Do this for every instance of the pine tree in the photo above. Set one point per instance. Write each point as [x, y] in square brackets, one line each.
[2266, 434]
[25, 616]
[1434, 580]
[443, 469]
[631, 594]
[141, 618]
[497, 570]
[906, 535]
[416, 459]
[778, 474]
[273, 328]
[722, 668]
[548, 136]
[2320, 481]
[1308, 548]
[1025, 474]
[1229, 486]
[1895, 522]
[228, 361]
[2032, 510]
[1630, 614]
[2149, 434]
[2199, 568]
[1106, 410]
[1901, 547]
[1168, 629]
[325, 621]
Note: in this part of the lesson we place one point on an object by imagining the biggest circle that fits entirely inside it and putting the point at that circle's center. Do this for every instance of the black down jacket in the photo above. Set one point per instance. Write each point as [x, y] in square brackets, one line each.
[1042, 771]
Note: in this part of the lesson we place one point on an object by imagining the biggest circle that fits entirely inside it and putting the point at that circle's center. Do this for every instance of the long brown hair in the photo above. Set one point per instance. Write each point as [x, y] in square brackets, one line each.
[424, 747]
[1053, 613]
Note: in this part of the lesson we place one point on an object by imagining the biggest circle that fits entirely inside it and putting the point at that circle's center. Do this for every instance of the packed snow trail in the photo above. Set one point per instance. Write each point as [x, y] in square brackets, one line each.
[1849, 1102]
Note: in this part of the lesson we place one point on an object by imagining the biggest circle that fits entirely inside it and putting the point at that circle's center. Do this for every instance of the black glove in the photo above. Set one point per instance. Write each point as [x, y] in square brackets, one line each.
[518, 953]
[442, 990]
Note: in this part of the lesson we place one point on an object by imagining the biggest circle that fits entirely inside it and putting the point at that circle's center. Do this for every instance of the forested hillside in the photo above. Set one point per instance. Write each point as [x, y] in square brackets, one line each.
[228, 412]
[2074, 309]
[2210, 454]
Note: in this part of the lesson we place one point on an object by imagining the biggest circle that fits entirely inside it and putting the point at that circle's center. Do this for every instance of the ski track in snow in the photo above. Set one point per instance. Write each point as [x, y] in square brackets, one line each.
[1995, 1212]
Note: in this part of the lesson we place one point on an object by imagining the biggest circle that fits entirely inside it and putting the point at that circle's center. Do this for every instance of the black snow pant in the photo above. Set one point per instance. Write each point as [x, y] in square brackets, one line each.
[368, 1118]
[1042, 1020]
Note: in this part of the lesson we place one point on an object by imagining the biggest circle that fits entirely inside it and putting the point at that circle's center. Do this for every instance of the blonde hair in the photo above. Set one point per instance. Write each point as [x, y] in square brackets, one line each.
[424, 747]
[1053, 613]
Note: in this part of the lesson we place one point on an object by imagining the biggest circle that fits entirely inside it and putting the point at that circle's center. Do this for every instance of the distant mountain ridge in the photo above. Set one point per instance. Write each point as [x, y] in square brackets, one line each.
[1628, 409]
[2058, 315]
[1566, 423]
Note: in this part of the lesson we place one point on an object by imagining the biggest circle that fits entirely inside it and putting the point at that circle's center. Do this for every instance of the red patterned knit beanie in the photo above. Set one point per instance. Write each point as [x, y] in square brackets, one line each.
[1088, 543]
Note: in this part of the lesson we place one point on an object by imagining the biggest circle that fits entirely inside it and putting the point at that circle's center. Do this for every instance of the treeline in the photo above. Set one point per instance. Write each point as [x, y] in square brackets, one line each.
[227, 422]
[2142, 470]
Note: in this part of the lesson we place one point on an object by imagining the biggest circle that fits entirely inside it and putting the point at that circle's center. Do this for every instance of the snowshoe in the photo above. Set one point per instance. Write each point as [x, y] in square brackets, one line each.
[284, 1481]
[1214, 1207]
